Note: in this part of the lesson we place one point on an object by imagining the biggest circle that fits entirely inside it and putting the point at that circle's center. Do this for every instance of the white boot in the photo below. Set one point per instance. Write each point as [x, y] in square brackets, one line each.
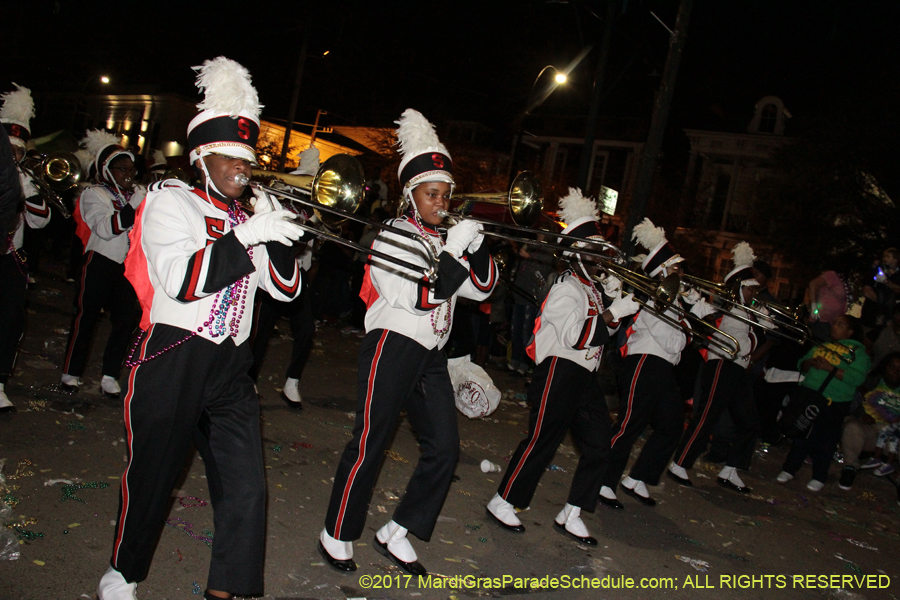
[109, 386]
[569, 519]
[336, 548]
[784, 477]
[5, 404]
[292, 390]
[504, 512]
[638, 489]
[394, 536]
[114, 587]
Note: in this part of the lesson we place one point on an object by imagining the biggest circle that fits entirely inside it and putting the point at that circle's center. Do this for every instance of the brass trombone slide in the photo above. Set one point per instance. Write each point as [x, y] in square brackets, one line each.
[339, 182]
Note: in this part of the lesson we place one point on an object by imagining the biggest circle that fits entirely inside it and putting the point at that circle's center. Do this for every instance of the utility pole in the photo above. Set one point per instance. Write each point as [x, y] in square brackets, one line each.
[650, 156]
[587, 151]
[295, 95]
[312, 138]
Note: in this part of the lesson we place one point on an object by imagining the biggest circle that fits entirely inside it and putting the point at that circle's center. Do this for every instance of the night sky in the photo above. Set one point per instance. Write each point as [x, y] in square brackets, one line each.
[467, 60]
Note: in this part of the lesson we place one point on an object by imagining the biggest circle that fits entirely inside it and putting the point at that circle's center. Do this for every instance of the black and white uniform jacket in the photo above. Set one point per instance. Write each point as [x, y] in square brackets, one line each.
[103, 219]
[37, 213]
[570, 324]
[648, 334]
[184, 259]
[402, 301]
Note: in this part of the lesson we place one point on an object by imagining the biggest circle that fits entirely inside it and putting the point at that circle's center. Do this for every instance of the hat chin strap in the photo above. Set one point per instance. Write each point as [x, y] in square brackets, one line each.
[208, 180]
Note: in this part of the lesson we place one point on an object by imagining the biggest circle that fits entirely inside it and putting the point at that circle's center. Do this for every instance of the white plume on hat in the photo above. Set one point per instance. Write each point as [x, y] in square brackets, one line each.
[416, 135]
[648, 235]
[18, 107]
[743, 255]
[159, 159]
[309, 162]
[85, 159]
[95, 140]
[227, 88]
[574, 207]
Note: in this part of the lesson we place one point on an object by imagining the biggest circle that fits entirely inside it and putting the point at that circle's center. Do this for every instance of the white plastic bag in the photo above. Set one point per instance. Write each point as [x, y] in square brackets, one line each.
[475, 393]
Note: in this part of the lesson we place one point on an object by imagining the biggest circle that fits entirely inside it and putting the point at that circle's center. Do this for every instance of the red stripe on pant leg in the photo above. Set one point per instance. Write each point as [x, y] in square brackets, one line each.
[537, 429]
[76, 326]
[125, 491]
[709, 400]
[373, 370]
[634, 380]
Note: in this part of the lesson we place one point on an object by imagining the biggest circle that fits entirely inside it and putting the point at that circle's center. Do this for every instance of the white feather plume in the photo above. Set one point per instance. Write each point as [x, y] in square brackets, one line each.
[95, 140]
[648, 235]
[85, 159]
[227, 87]
[416, 134]
[18, 106]
[309, 161]
[574, 206]
[743, 255]
[158, 158]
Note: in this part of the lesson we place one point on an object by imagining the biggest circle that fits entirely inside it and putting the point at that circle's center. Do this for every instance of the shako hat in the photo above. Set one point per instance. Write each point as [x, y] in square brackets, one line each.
[742, 272]
[660, 253]
[228, 123]
[16, 114]
[423, 156]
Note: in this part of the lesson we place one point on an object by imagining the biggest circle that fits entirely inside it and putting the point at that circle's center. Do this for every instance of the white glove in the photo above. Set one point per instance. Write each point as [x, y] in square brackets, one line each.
[702, 309]
[461, 236]
[476, 243]
[880, 277]
[263, 202]
[622, 307]
[612, 285]
[693, 296]
[273, 226]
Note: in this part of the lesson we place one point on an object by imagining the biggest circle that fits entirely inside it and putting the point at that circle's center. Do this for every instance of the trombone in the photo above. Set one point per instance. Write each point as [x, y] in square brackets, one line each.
[58, 171]
[334, 195]
[663, 294]
[789, 329]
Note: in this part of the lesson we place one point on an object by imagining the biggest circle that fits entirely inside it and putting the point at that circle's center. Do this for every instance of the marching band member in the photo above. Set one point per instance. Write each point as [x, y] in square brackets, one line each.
[569, 334]
[401, 361]
[196, 260]
[104, 213]
[15, 115]
[725, 385]
[299, 311]
[648, 390]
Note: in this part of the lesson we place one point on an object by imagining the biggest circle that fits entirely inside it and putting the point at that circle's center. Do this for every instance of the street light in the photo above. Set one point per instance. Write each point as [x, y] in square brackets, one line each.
[530, 104]
[104, 79]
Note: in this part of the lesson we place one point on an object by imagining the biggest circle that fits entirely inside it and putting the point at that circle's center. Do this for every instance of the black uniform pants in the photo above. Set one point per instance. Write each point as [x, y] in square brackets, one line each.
[724, 385]
[396, 373]
[12, 313]
[821, 442]
[648, 394]
[303, 329]
[564, 396]
[103, 286]
[198, 391]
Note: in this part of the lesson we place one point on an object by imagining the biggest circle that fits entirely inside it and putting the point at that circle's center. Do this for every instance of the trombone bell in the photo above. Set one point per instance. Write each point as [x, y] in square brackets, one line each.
[525, 199]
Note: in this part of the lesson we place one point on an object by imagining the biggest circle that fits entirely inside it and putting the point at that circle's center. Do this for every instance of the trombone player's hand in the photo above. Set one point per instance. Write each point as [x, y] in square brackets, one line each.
[623, 307]
[612, 285]
[692, 297]
[462, 237]
[262, 202]
[702, 309]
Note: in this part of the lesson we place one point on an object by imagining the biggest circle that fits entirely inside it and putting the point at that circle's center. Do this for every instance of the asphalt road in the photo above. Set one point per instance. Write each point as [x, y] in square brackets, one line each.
[696, 543]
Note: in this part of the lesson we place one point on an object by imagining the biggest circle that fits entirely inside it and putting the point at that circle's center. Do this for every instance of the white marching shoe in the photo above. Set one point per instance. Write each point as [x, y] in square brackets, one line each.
[391, 541]
[338, 554]
[70, 383]
[291, 393]
[504, 514]
[5, 404]
[637, 489]
[728, 477]
[568, 522]
[679, 474]
[784, 477]
[114, 587]
[110, 387]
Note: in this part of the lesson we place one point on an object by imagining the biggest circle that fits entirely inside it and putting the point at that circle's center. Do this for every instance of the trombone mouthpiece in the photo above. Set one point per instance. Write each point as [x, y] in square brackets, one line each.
[443, 213]
[241, 179]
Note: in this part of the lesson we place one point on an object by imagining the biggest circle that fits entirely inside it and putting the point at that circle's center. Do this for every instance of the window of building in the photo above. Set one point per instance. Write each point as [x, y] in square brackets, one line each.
[768, 119]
